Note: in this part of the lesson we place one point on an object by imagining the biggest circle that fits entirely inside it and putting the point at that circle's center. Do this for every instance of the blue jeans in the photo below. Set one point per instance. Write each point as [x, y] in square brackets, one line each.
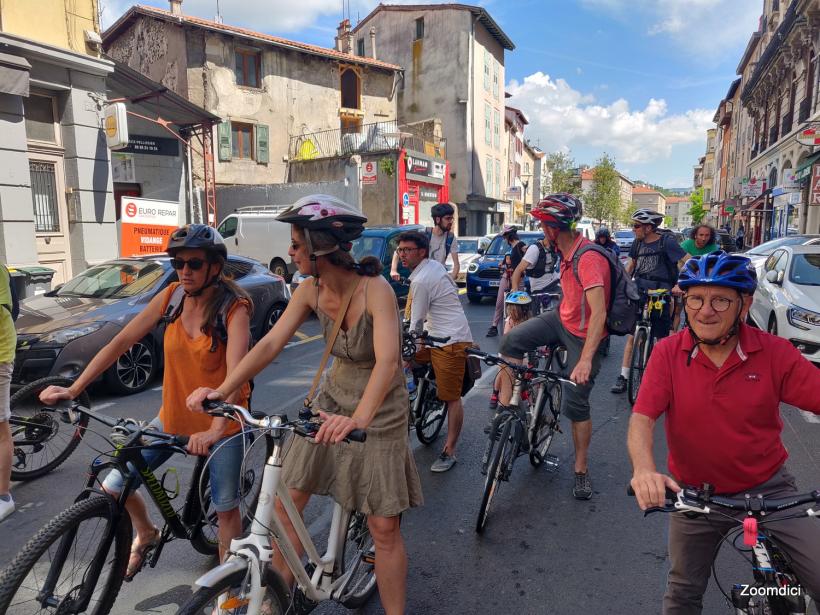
[224, 466]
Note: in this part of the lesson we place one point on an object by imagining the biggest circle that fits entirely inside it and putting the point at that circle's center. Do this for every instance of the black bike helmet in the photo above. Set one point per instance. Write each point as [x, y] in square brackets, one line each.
[603, 232]
[196, 236]
[440, 210]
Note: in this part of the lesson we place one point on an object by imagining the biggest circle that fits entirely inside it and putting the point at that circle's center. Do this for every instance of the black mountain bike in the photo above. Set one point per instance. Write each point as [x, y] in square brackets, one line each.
[642, 341]
[77, 562]
[43, 436]
[776, 589]
[522, 428]
[427, 411]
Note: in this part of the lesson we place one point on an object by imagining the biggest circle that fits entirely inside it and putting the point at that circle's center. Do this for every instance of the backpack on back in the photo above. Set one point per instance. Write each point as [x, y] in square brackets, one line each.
[14, 308]
[624, 299]
[671, 268]
[540, 266]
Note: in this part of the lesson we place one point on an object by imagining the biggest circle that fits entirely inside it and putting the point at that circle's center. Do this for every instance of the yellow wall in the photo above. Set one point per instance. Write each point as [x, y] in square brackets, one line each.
[55, 22]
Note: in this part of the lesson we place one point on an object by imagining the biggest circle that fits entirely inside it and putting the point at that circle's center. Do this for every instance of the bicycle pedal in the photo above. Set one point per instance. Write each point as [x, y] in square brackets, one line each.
[551, 463]
[369, 557]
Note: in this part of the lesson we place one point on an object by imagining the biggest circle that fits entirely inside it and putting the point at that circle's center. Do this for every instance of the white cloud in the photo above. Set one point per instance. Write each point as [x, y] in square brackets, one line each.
[562, 117]
[703, 27]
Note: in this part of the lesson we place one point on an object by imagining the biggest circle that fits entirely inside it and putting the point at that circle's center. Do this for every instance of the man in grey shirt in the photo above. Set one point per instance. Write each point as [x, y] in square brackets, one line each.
[440, 239]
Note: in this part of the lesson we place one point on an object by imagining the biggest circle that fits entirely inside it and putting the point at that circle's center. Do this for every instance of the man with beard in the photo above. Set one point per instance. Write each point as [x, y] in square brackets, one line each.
[440, 238]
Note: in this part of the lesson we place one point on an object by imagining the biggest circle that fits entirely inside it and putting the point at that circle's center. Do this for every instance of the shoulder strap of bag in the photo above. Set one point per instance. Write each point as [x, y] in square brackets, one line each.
[330, 341]
[174, 307]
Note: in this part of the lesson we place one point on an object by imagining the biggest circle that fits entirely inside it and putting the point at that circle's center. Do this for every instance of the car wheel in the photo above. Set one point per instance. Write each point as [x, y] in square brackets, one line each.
[273, 315]
[134, 370]
[473, 298]
[278, 266]
[772, 324]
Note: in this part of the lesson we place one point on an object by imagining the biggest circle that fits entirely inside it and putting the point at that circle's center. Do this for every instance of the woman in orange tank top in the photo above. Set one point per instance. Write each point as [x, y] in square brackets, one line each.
[198, 254]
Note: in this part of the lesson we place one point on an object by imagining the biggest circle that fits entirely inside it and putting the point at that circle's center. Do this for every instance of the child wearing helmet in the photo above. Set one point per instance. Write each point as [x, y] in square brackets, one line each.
[517, 304]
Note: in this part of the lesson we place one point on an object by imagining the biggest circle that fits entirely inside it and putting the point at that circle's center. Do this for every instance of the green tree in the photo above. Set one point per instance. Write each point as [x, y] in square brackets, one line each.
[564, 172]
[697, 211]
[603, 201]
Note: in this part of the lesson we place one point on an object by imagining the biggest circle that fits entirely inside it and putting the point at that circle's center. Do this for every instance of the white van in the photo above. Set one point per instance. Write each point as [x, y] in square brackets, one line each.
[255, 233]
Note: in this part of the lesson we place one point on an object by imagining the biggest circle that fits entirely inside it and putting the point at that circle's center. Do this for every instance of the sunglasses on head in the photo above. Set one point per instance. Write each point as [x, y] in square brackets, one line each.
[195, 264]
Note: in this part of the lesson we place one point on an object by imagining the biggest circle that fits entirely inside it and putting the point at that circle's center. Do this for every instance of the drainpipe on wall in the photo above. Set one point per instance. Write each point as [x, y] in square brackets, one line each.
[470, 106]
[373, 42]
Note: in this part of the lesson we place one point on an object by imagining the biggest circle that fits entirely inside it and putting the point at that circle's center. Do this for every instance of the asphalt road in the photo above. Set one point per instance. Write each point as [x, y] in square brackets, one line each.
[541, 552]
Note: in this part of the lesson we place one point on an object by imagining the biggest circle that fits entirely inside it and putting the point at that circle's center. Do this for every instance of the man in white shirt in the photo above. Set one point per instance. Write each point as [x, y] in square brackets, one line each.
[538, 263]
[435, 307]
[442, 242]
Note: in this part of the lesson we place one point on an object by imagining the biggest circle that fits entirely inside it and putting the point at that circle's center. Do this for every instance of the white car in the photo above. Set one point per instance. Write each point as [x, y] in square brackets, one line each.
[759, 254]
[467, 253]
[787, 299]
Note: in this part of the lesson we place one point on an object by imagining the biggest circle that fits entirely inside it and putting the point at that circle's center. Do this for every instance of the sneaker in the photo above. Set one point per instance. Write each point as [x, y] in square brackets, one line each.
[583, 486]
[492, 331]
[443, 463]
[494, 400]
[6, 507]
[619, 386]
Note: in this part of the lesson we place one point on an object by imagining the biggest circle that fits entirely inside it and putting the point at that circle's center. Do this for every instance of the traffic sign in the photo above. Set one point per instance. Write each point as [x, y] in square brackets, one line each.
[405, 199]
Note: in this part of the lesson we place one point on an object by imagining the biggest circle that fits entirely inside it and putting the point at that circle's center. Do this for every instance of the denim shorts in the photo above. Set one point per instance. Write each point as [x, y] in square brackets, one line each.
[224, 467]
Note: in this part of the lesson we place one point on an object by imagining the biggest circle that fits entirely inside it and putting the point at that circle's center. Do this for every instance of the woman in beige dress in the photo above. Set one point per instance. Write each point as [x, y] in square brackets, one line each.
[364, 388]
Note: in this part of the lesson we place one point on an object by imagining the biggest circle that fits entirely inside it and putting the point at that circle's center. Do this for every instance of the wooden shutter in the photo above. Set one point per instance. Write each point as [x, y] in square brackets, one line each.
[224, 138]
[261, 144]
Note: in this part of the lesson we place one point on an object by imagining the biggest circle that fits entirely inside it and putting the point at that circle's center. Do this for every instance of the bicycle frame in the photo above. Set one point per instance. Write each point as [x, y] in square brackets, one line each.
[253, 552]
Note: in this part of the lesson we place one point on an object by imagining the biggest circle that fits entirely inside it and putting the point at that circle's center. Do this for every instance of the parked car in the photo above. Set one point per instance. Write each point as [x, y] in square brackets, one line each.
[787, 299]
[58, 333]
[381, 242]
[726, 241]
[255, 232]
[467, 253]
[484, 274]
[759, 254]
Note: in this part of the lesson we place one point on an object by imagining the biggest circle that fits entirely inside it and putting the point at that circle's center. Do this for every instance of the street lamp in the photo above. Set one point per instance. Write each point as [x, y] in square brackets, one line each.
[526, 184]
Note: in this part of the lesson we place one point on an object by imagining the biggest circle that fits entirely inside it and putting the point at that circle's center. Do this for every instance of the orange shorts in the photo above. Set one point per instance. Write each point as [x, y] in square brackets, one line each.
[449, 363]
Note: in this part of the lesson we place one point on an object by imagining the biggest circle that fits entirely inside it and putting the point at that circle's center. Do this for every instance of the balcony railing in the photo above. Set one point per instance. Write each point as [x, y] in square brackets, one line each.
[787, 123]
[805, 109]
[368, 138]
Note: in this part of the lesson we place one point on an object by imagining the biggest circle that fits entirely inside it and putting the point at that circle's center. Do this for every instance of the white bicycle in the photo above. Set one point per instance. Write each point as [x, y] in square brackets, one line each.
[245, 583]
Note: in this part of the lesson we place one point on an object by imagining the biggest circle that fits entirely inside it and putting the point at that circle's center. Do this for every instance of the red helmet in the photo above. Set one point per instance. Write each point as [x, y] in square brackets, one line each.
[561, 211]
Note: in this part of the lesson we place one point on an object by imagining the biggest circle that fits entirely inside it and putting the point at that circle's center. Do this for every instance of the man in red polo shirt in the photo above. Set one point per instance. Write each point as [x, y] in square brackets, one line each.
[579, 325]
[722, 423]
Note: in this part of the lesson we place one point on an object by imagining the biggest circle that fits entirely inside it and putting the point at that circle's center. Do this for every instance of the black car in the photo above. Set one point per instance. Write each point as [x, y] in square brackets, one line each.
[58, 333]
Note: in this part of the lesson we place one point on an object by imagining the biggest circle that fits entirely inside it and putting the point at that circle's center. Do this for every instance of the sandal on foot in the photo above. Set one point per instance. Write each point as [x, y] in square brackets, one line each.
[139, 552]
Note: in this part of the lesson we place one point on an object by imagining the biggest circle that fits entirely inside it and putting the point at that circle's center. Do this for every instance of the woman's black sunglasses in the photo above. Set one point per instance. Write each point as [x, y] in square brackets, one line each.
[195, 264]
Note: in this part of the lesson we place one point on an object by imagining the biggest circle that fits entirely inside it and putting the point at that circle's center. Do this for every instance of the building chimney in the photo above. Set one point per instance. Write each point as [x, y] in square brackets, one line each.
[344, 39]
[373, 42]
[176, 7]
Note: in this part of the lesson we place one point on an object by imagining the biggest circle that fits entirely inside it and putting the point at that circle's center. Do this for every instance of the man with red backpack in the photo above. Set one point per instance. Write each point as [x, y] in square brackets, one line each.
[579, 324]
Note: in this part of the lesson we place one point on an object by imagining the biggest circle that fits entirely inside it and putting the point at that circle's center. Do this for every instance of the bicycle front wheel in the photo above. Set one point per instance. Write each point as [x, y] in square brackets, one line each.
[43, 436]
[228, 597]
[636, 365]
[431, 417]
[358, 555]
[496, 471]
[68, 546]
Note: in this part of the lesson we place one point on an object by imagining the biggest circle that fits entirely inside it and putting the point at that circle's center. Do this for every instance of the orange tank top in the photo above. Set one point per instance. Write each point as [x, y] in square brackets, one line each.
[189, 364]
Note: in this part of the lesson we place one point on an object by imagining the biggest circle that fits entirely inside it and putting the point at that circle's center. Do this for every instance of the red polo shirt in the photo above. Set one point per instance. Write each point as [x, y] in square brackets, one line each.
[593, 270]
[723, 425]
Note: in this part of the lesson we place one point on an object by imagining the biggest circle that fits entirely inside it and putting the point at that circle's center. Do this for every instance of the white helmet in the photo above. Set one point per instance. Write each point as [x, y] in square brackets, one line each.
[648, 216]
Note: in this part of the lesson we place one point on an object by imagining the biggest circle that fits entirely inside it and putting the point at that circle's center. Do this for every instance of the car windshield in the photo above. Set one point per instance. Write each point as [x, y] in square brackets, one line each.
[764, 249]
[624, 235]
[114, 280]
[806, 269]
[367, 246]
[467, 246]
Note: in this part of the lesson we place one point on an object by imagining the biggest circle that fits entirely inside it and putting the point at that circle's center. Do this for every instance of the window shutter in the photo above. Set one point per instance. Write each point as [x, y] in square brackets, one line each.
[224, 138]
[261, 144]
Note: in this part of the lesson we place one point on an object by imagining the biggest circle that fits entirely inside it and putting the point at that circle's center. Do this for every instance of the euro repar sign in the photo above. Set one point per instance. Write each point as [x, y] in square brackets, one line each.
[146, 225]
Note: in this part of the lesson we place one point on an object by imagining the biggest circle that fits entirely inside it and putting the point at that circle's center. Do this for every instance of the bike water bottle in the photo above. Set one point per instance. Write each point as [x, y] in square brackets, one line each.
[411, 382]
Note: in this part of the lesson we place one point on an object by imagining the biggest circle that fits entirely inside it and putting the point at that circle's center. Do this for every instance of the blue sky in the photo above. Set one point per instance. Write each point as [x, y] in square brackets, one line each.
[639, 79]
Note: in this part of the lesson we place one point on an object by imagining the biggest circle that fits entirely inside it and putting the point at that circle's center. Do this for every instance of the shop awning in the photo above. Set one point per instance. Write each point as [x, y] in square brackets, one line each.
[804, 170]
[14, 74]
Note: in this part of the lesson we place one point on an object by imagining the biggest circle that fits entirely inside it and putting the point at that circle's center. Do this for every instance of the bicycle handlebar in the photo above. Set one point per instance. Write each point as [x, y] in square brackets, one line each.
[304, 428]
[494, 359]
[694, 500]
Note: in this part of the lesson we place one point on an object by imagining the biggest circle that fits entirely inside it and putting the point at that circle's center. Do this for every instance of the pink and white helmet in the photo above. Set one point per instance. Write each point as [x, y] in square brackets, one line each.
[322, 212]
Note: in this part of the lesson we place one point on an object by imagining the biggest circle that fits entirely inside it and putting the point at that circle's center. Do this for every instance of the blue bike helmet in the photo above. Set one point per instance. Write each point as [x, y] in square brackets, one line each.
[518, 297]
[719, 269]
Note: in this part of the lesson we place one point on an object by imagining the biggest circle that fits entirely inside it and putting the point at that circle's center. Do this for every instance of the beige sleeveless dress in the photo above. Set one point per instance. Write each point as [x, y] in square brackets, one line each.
[378, 477]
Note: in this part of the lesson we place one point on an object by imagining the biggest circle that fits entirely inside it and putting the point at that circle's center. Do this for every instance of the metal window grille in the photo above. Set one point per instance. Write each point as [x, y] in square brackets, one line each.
[44, 196]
